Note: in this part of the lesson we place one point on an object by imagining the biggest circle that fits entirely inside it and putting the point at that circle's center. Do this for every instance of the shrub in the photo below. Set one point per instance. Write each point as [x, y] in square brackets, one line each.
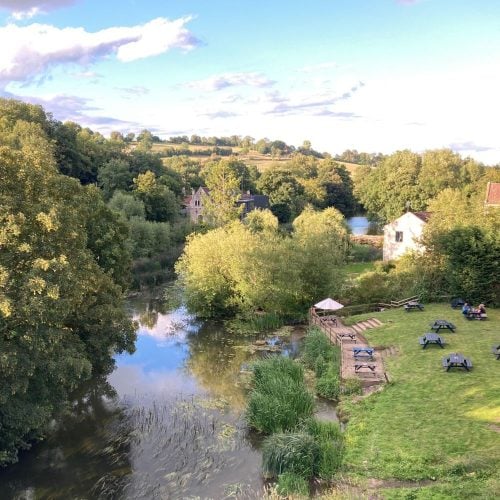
[279, 399]
[296, 453]
[328, 385]
[292, 484]
[320, 366]
[316, 344]
[351, 386]
[365, 253]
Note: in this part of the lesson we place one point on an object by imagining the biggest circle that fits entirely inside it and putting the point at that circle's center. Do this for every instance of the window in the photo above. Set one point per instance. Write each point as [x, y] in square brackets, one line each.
[399, 236]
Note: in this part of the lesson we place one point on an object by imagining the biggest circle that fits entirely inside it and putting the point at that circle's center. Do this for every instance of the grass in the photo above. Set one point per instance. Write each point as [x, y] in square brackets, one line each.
[429, 424]
[359, 267]
[279, 400]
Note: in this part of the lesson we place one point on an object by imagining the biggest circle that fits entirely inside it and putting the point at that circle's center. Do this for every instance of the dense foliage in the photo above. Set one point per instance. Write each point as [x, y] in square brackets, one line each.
[62, 269]
[238, 268]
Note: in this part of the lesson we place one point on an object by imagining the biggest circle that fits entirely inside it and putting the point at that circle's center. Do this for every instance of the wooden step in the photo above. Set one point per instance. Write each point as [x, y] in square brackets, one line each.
[376, 321]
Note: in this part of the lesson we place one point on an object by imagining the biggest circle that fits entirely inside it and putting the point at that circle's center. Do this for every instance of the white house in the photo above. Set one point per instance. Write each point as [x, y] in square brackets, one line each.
[402, 234]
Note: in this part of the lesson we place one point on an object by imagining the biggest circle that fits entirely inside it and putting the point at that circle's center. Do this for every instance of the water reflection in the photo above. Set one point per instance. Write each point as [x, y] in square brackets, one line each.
[167, 423]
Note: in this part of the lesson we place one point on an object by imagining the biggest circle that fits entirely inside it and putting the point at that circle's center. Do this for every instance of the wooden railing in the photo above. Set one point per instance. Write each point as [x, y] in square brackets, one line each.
[320, 321]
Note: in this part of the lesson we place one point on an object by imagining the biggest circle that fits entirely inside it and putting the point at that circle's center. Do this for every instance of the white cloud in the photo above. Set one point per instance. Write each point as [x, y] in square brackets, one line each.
[219, 82]
[25, 9]
[35, 49]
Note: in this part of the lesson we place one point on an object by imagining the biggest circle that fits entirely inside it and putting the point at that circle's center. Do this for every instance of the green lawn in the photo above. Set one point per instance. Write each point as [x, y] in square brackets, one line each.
[429, 424]
[359, 267]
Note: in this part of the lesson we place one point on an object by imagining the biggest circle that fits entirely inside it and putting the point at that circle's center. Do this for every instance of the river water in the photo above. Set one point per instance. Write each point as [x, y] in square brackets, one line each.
[167, 423]
[360, 225]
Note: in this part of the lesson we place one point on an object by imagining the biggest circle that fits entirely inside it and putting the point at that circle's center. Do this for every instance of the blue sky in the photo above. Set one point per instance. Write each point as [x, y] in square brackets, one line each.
[376, 75]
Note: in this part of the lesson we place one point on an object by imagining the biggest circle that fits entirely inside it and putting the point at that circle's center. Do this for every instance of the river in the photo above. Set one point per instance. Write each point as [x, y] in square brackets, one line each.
[167, 423]
[360, 225]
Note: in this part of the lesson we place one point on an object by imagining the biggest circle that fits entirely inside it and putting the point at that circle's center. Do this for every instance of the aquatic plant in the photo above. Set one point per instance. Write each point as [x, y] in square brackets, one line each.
[279, 399]
[296, 453]
[328, 385]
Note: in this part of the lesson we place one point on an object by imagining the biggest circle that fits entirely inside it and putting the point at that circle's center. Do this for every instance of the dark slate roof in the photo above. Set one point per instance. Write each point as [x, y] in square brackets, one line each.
[424, 216]
[261, 201]
[493, 193]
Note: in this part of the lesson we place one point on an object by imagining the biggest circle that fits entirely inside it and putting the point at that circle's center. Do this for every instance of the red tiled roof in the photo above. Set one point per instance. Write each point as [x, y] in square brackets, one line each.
[422, 215]
[493, 193]
[187, 200]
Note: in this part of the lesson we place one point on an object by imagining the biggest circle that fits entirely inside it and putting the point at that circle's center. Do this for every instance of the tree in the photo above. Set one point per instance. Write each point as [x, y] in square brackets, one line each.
[472, 263]
[220, 207]
[283, 190]
[114, 175]
[160, 202]
[61, 311]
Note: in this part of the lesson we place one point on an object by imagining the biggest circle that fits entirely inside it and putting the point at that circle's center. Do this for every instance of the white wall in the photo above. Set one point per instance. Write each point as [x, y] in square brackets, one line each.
[411, 226]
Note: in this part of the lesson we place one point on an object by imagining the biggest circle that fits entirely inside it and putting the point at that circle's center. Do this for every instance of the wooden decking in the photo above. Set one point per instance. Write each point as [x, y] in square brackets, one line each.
[336, 331]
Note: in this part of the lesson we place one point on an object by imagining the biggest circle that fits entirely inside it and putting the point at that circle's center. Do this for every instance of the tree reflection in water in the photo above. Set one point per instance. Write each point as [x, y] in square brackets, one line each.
[70, 463]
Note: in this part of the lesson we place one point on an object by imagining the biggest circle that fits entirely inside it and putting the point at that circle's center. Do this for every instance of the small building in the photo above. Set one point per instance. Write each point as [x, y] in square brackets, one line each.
[194, 203]
[492, 194]
[402, 235]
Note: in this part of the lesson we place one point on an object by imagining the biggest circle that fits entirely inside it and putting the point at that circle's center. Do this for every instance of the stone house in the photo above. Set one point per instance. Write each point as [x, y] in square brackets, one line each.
[402, 234]
[193, 204]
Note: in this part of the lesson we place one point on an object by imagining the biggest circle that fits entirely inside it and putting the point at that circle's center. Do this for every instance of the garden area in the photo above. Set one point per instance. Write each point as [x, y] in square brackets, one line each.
[429, 433]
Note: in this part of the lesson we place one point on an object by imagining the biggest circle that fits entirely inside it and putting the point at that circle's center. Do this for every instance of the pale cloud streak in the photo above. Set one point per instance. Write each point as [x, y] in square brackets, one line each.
[35, 49]
[226, 80]
[26, 9]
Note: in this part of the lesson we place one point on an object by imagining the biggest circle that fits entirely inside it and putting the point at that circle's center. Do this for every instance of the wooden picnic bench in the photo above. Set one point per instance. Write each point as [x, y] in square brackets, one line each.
[442, 324]
[476, 315]
[346, 335]
[431, 338]
[363, 352]
[456, 360]
[363, 366]
[413, 306]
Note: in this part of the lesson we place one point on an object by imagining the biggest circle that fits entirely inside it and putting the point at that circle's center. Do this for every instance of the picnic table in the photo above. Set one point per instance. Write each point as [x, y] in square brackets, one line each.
[431, 338]
[413, 305]
[456, 360]
[442, 324]
[476, 315]
[496, 350]
[346, 335]
[456, 303]
[363, 366]
[363, 352]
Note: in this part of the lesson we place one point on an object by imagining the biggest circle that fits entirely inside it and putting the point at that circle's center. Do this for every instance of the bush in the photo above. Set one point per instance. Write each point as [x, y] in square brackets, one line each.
[328, 385]
[296, 453]
[351, 386]
[292, 484]
[365, 253]
[279, 399]
[316, 344]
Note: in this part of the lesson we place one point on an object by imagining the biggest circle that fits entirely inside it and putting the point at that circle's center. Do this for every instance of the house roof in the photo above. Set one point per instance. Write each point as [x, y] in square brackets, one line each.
[493, 193]
[424, 216]
[187, 200]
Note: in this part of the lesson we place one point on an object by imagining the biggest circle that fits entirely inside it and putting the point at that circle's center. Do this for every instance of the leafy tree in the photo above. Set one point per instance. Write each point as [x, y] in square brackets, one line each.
[61, 311]
[283, 189]
[220, 207]
[472, 263]
[114, 175]
[127, 205]
[160, 203]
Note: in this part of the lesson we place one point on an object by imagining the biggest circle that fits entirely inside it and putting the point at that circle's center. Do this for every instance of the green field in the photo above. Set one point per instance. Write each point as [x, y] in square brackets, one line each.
[428, 425]
[261, 161]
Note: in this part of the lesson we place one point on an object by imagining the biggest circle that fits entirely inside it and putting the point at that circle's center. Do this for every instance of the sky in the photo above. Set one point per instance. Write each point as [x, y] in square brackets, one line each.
[371, 75]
